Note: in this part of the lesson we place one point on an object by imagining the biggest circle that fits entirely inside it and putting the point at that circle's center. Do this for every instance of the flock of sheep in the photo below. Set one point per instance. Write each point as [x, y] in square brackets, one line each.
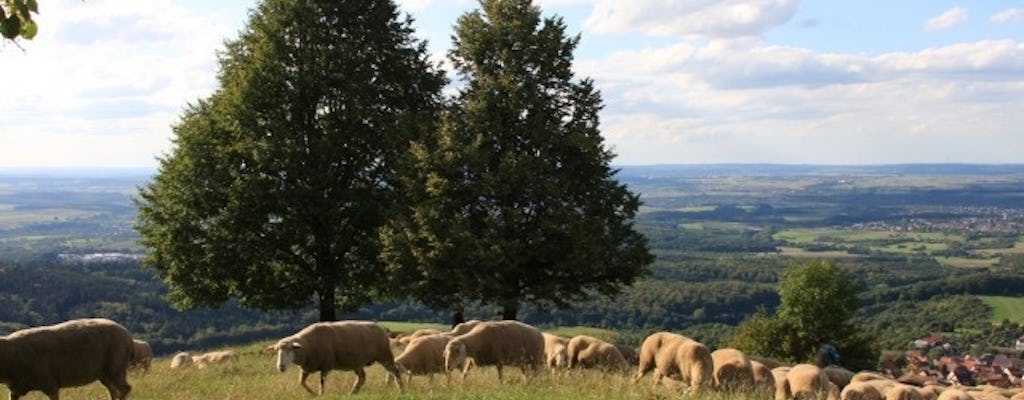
[80, 352]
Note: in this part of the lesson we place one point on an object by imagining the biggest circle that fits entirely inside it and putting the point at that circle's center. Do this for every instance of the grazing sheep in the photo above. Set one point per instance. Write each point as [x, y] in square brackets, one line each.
[808, 381]
[670, 354]
[464, 327]
[781, 383]
[590, 352]
[497, 343]
[763, 378]
[868, 376]
[629, 353]
[214, 357]
[902, 391]
[424, 356]
[345, 345]
[142, 355]
[839, 376]
[732, 369]
[181, 359]
[72, 353]
[556, 351]
[954, 394]
[866, 390]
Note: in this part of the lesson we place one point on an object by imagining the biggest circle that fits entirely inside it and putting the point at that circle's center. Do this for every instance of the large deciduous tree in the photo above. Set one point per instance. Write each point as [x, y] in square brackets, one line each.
[513, 200]
[279, 181]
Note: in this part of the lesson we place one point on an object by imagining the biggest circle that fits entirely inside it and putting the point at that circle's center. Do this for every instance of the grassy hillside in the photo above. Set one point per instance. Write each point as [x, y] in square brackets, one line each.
[1011, 308]
[254, 377]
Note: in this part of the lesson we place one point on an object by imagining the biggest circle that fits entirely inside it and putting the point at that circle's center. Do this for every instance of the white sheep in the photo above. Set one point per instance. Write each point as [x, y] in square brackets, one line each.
[346, 346]
[497, 343]
[464, 327]
[556, 353]
[142, 355]
[590, 352]
[866, 390]
[732, 369]
[670, 354]
[424, 356]
[181, 359]
[808, 381]
[72, 353]
[214, 357]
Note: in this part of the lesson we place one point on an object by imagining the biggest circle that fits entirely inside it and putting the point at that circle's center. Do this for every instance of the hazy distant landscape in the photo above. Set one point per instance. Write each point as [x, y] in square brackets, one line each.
[939, 248]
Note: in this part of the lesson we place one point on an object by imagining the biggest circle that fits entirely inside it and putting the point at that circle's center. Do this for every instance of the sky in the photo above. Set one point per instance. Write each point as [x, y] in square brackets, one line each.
[683, 81]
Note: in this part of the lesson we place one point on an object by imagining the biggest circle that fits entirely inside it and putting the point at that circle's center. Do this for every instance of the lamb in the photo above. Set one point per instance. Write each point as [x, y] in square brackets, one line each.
[808, 381]
[345, 345]
[214, 357]
[732, 369]
[590, 352]
[142, 355]
[556, 353]
[670, 354]
[68, 354]
[497, 343]
[424, 356]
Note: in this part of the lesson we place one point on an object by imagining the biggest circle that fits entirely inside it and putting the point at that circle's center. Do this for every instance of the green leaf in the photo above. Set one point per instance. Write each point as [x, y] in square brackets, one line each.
[11, 27]
[3, 14]
[29, 30]
[22, 10]
[32, 6]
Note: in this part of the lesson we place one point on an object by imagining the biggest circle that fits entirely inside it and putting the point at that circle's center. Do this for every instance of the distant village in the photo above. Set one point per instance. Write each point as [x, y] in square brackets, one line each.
[1003, 367]
[997, 221]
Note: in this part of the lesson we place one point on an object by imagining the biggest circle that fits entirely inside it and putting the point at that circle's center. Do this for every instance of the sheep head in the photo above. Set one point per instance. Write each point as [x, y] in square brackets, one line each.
[454, 354]
[286, 352]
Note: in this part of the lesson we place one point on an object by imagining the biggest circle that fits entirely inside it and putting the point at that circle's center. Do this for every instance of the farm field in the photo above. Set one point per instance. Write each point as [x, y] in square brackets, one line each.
[1005, 308]
[254, 377]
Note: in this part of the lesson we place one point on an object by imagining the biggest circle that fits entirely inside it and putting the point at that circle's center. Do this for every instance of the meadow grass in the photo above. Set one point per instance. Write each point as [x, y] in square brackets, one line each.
[254, 377]
[1011, 308]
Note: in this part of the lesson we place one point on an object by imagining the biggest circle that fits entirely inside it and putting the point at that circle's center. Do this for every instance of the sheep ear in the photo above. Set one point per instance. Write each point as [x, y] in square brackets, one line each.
[296, 345]
[271, 349]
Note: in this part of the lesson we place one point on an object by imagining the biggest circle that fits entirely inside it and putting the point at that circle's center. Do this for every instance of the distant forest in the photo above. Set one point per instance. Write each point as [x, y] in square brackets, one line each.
[923, 240]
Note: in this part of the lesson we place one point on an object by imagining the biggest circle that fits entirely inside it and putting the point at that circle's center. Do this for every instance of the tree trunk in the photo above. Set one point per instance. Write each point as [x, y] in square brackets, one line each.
[509, 310]
[327, 304]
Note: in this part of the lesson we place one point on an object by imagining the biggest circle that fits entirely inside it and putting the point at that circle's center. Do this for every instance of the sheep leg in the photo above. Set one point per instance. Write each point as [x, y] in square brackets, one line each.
[396, 370]
[53, 394]
[360, 379]
[323, 377]
[302, 381]
[499, 372]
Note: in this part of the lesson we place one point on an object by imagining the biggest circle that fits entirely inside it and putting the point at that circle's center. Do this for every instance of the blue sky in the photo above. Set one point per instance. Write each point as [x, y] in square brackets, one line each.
[684, 81]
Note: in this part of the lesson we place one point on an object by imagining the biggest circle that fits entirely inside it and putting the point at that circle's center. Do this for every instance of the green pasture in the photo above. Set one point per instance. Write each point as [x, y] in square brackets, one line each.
[1005, 308]
[11, 218]
[798, 252]
[254, 377]
[962, 262]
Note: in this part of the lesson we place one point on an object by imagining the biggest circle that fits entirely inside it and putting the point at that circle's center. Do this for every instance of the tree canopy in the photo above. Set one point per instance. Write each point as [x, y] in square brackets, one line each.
[818, 302]
[279, 181]
[513, 199]
[16, 19]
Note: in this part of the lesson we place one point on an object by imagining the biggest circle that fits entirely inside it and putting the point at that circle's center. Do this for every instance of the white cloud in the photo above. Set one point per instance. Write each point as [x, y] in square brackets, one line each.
[689, 18]
[104, 80]
[1008, 16]
[948, 19]
[791, 105]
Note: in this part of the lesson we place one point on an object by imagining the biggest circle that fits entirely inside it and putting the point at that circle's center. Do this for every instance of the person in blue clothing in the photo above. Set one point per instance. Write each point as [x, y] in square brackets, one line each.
[828, 354]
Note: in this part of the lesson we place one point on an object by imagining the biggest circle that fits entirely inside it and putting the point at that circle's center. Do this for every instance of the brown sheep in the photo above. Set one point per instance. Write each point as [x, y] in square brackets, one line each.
[556, 353]
[346, 345]
[590, 352]
[464, 327]
[670, 354]
[808, 381]
[497, 343]
[142, 356]
[72, 353]
[902, 391]
[732, 369]
[839, 376]
[763, 378]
